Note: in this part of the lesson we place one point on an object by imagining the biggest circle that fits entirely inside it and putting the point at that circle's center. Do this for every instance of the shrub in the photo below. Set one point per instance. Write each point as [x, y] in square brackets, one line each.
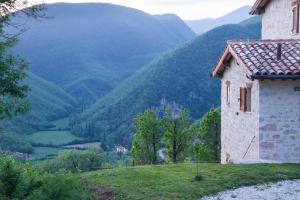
[23, 182]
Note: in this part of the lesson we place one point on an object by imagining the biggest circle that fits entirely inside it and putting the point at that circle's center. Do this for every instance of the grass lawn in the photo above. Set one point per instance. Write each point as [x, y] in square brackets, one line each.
[174, 182]
[53, 137]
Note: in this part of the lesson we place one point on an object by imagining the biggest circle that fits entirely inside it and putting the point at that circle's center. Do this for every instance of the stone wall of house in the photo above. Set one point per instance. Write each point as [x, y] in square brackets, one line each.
[277, 21]
[279, 137]
[239, 128]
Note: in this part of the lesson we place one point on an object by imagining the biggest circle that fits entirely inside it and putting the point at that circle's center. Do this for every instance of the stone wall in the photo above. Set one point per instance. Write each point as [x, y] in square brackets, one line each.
[279, 137]
[277, 21]
[239, 128]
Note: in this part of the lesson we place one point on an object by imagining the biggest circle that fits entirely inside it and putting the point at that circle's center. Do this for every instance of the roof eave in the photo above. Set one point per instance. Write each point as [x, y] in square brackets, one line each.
[259, 7]
[273, 77]
[219, 69]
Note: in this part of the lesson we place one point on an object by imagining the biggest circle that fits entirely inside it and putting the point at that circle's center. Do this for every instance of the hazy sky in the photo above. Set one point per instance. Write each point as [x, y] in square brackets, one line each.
[186, 9]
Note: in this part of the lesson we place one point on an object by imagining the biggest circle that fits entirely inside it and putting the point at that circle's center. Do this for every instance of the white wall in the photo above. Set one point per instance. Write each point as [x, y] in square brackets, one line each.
[239, 128]
[280, 121]
[277, 21]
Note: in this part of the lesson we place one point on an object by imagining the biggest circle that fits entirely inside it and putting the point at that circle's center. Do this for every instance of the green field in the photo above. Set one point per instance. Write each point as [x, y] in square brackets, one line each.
[52, 137]
[44, 152]
[176, 182]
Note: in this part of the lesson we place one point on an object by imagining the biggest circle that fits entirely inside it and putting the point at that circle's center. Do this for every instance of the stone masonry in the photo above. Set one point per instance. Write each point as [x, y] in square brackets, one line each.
[279, 121]
[277, 21]
[239, 128]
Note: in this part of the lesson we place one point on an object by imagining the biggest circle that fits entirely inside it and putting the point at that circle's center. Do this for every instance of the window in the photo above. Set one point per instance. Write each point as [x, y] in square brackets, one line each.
[245, 98]
[228, 92]
[295, 29]
[243, 93]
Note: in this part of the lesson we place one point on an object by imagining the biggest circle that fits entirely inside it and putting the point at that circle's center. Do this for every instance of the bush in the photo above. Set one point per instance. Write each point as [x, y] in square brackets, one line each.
[23, 182]
[76, 161]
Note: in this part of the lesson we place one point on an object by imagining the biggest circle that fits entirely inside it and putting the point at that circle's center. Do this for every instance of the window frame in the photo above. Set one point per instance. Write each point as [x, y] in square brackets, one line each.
[295, 15]
[228, 93]
[243, 93]
[246, 98]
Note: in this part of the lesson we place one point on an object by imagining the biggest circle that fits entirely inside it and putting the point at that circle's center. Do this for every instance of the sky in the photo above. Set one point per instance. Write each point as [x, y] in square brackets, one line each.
[186, 9]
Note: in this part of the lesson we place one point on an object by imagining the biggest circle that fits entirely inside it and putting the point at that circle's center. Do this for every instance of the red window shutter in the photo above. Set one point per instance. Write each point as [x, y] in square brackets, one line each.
[243, 99]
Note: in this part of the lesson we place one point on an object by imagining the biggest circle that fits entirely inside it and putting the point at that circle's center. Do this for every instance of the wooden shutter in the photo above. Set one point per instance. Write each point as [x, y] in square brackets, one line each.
[295, 29]
[243, 99]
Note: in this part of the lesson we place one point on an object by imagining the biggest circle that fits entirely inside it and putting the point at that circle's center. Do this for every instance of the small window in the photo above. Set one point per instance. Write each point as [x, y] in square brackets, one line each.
[245, 99]
[228, 92]
[295, 29]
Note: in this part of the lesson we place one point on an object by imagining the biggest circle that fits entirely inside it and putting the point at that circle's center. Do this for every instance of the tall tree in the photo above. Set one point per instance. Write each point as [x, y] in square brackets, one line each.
[147, 140]
[178, 132]
[209, 132]
[13, 68]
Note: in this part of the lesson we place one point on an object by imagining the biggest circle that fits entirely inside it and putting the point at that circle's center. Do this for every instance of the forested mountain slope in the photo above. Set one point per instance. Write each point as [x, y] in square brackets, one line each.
[87, 49]
[181, 76]
[48, 102]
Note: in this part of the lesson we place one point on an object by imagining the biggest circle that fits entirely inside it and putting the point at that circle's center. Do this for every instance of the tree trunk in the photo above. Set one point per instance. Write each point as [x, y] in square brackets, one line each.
[214, 141]
[174, 144]
[154, 149]
[174, 151]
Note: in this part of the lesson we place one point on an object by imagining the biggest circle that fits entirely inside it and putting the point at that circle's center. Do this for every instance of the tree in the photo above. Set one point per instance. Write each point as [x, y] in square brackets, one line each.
[147, 140]
[12, 68]
[178, 132]
[209, 132]
[76, 161]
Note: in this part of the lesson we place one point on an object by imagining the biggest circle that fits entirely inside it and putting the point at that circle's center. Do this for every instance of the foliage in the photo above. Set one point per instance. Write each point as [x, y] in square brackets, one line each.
[12, 71]
[115, 159]
[12, 68]
[48, 102]
[24, 182]
[181, 76]
[77, 161]
[209, 132]
[178, 133]
[177, 182]
[148, 138]
[14, 143]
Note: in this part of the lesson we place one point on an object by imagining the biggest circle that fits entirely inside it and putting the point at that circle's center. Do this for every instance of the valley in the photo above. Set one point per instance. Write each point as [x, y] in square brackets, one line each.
[87, 86]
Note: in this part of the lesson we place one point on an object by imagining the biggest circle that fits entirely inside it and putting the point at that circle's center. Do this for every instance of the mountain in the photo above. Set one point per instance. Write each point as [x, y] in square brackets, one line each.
[87, 49]
[181, 76]
[48, 102]
[204, 25]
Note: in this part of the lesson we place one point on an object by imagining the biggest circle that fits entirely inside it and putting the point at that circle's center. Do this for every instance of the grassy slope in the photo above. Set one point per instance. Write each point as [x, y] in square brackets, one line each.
[52, 137]
[176, 182]
[181, 76]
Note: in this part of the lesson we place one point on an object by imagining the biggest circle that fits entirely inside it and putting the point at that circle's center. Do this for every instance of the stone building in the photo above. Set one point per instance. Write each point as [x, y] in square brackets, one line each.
[260, 93]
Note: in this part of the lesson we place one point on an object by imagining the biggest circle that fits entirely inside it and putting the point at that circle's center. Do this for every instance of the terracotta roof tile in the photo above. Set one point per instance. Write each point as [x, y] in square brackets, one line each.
[260, 56]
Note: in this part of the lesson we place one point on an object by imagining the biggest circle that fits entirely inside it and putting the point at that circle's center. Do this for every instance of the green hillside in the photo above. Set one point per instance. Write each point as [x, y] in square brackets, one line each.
[48, 102]
[177, 182]
[181, 76]
[87, 49]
